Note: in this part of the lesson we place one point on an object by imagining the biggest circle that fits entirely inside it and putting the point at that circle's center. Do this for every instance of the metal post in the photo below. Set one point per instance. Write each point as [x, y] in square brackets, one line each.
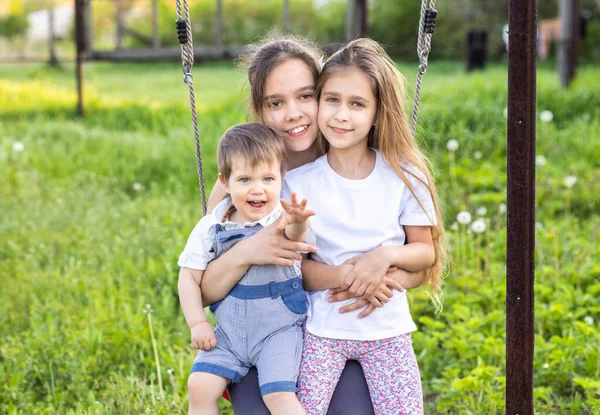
[219, 25]
[286, 16]
[119, 17]
[155, 32]
[89, 27]
[362, 19]
[350, 33]
[80, 43]
[521, 206]
[568, 56]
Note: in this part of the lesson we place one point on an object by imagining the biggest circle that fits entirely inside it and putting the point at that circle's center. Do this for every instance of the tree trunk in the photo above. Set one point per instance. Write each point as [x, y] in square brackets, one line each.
[53, 61]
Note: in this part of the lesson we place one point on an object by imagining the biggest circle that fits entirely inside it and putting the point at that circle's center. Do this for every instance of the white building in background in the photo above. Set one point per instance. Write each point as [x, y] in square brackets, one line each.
[39, 23]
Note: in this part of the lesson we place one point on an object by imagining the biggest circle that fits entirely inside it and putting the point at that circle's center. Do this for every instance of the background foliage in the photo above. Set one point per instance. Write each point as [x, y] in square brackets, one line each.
[95, 212]
[245, 21]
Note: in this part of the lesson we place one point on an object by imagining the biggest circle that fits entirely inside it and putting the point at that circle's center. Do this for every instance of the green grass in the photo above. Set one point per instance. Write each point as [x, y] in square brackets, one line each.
[82, 253]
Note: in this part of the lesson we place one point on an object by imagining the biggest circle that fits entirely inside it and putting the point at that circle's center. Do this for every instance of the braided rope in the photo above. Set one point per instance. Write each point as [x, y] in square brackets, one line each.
[423, 49]
[187, 61]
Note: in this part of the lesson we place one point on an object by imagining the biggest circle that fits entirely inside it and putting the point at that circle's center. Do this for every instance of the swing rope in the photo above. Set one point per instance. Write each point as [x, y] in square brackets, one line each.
[426, 27]
[184, 34]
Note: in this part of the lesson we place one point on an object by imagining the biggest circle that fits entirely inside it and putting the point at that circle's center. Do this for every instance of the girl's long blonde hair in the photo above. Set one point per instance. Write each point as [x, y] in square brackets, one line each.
[391, 135]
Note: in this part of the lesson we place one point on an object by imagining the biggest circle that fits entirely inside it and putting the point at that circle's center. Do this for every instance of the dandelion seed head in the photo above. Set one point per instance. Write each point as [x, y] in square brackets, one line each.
[540, 161]
[570, 181]
[546, 116]
[505, 112]
[18, 146]
[464, 217]
[454, 226]
[477, 155]
[589, 320]
[546, 366]
[481, 211]
[478, 226]
[137, 187]
[502, 208]
[452, 145]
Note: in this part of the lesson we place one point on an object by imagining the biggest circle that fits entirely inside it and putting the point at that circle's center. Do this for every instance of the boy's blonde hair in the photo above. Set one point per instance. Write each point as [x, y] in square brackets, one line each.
[254, 142]
[391, 133]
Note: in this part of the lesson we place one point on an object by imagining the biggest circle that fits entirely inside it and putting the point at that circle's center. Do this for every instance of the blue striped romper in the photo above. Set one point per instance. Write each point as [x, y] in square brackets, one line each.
[259, 323]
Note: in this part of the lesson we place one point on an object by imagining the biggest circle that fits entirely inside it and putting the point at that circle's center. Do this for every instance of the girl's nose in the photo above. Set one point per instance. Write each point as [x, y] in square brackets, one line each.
[293, 112]
[341, 114]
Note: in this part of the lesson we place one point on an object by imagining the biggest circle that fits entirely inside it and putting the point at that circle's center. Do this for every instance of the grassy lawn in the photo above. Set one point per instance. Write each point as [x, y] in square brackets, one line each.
[95, 211]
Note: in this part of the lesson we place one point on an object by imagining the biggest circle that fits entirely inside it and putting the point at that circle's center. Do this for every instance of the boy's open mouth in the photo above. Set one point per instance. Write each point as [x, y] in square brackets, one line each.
[257, 204]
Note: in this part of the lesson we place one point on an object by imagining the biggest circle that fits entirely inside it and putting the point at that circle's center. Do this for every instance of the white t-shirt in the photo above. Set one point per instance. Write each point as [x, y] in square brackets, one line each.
[353, 217]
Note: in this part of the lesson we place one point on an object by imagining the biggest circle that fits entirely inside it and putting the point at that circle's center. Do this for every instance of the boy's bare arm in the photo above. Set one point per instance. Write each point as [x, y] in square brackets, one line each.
[190, 297]
[201, 331]
[297, 231]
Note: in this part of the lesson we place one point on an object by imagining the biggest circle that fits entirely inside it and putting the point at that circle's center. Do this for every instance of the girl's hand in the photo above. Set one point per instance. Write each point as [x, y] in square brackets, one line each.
[358, 304]
[269, 246]
[294, 212]
[203, 336]
[382, 294]
[367, 274]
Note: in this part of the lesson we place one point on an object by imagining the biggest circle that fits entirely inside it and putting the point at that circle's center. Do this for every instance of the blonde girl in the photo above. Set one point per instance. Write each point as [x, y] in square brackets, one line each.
[376, 207]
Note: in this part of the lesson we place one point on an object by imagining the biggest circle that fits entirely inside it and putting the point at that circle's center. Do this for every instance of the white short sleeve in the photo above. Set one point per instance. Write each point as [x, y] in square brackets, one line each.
[412, 214]
[286, 192]
[196, 254]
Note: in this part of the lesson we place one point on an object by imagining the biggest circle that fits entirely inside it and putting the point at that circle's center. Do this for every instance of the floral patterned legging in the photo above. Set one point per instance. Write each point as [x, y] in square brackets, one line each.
[390, 368]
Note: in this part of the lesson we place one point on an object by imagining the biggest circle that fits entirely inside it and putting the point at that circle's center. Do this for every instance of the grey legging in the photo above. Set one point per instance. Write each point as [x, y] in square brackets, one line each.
[351, 396]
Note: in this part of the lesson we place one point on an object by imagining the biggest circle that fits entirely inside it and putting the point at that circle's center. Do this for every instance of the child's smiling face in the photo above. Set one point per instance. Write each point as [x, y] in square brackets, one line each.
[347, 108]
[254, 190]
[290, 105]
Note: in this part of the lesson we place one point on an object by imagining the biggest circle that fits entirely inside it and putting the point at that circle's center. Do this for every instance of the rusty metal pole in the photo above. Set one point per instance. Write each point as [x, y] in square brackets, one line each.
[521, 206]
[80, 43]
[362, 17]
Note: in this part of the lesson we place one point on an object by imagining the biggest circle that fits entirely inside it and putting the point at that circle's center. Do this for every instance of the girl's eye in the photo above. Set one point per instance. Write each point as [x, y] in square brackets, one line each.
[275, 104]
[333, 100]
[306, 96]
[244, 180]
[358, 104]
[269, 179]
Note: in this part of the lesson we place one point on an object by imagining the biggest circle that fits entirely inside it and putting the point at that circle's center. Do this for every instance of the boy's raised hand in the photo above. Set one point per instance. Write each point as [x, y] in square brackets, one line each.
[294, 212]
[203, 336]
